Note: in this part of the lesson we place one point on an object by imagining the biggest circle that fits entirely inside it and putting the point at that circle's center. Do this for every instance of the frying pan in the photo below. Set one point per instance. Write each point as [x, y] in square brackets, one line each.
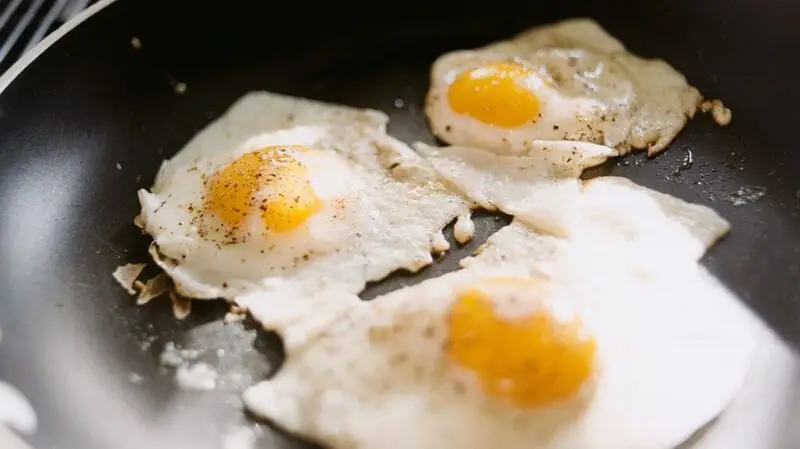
[86, 119]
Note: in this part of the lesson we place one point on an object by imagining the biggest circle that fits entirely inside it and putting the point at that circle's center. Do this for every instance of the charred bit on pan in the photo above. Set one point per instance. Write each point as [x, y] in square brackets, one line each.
[178, 86]
[181, 307]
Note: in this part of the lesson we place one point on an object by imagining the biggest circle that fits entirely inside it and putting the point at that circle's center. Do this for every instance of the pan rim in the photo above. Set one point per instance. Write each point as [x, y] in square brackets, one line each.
[31, 55]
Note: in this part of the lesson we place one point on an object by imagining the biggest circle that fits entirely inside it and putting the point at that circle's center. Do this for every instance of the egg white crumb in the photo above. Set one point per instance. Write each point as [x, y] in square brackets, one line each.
[138, 222]
[199, 376]
[464, 229]
[181, 306]
[126, 275]
[439, 243]
[179, 87]
[173, 357]
[135, 379]
[153, 288]
[230, 318]
[721, 114]
[235, 314]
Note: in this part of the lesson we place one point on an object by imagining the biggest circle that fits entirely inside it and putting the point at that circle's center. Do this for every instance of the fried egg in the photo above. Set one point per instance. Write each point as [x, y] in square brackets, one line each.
[593, 354]
[329, 203]
[542, 189]
[564, 81]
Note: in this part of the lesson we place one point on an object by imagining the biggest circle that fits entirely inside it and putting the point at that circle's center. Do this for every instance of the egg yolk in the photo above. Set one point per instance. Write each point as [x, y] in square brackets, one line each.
[495, 94]
[530, 361]
[270, 182]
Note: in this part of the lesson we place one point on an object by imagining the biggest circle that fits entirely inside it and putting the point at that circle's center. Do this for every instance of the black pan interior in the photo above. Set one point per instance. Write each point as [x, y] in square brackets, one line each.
[92, 101]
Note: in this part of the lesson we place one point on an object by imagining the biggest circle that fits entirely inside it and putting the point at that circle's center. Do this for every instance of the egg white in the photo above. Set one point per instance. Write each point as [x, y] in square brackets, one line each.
[592, 89]
[620, 213]
[538, 186]
[381, 206]
[542, 189]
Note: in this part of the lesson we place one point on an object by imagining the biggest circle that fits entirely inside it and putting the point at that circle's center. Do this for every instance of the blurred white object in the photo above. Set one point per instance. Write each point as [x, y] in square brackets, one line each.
[15, 412]
[10, 441]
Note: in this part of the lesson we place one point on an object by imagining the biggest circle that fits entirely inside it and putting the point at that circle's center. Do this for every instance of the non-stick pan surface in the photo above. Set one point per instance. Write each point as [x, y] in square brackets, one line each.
[90, 120]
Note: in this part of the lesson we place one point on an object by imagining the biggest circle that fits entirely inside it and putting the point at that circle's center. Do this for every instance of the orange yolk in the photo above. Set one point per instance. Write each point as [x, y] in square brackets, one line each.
[530, 361]
[495, 95]
[236, 191]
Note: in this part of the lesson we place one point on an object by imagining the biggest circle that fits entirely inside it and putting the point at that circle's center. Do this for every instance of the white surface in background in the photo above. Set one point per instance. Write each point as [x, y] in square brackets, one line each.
[15, 411]
[10, 441]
